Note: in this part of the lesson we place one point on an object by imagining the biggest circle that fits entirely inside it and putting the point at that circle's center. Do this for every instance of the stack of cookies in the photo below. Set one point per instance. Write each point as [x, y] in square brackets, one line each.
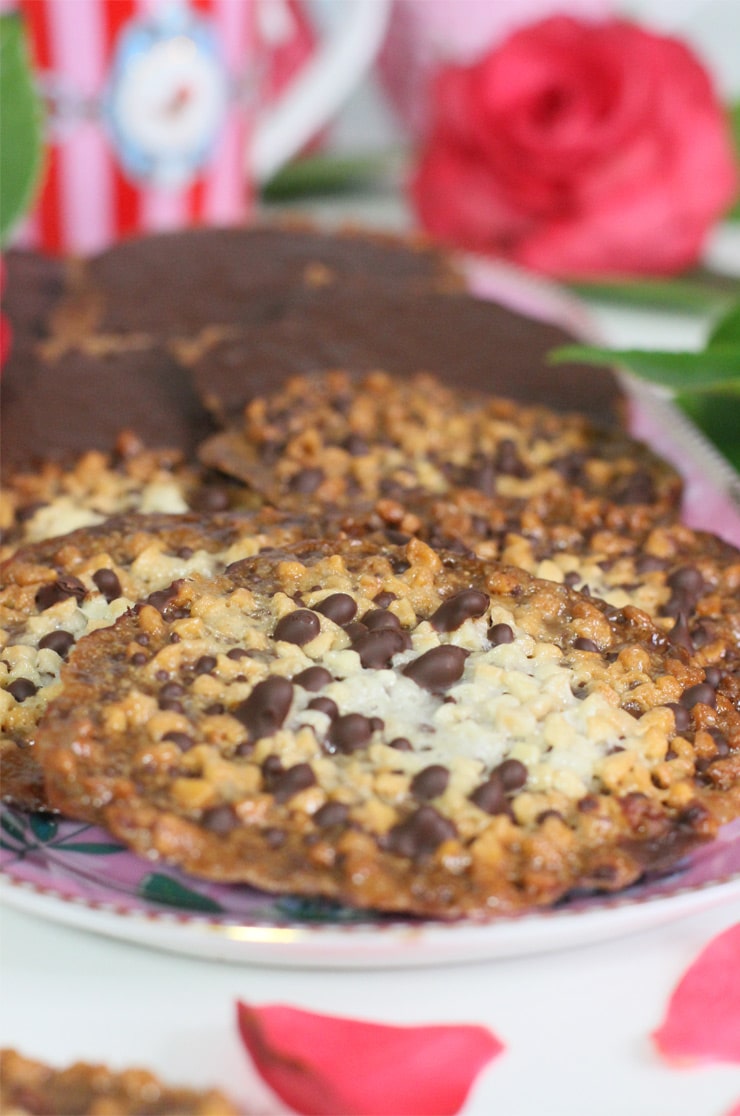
[315, 578]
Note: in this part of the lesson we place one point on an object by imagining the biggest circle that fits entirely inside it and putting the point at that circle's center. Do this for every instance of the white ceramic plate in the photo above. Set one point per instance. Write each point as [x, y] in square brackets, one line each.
[76, 875]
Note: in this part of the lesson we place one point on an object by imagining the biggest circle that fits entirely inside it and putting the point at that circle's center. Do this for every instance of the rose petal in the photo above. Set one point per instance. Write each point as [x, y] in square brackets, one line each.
[702, 1023]
[735, 1110]
[331, 1066]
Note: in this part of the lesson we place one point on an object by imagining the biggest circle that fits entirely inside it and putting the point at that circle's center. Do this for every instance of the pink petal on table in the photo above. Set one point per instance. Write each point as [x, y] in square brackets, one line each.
[325, 1065]
[735, 1110]
[702, 1023]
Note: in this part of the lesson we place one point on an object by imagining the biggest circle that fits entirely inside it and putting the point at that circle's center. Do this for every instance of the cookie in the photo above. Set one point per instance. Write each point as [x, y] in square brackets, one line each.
[58, 497]
[395, 727]
[465, 341]
[54, 591]
[236, 311]
[32, 1088]
[179, 283]
[55, 408]
[687, 581]
[352, 443]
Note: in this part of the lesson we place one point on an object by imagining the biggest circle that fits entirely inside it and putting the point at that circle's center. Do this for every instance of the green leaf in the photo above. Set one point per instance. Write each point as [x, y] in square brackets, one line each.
[701, 294]
[158, 888]
[719, 417]
[715, 370]
[325, 174]
[727, 330]
[44, 827]
[92, 848]
[21, 142]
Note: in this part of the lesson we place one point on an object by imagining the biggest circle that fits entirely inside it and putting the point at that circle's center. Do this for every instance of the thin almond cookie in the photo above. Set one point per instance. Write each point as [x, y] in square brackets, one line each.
[687, 581]
[54, 591]
[55, 497]
[32, 1088]
[329, 438]
[395, 727]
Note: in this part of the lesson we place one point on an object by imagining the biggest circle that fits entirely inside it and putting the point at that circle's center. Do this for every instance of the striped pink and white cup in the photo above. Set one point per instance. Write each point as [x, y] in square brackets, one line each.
[166, 113]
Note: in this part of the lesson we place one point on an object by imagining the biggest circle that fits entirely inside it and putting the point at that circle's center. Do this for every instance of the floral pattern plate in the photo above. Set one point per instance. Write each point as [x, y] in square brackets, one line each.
[78, 876]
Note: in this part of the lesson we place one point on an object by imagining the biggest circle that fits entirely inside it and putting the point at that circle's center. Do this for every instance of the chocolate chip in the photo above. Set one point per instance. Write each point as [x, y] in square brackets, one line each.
[181, 739]
[60, 590]
[210, 498]
[172, 705]
[355, 445]
[384, 598]
[583, 644]
[635, 489]
[272, 768]
[22, 688]
[324, 705]
[220, 820]
[350, 732]
[465, 605]
[376, 649]
[398, 538]
[293, 780]
[701, 694]
[172, 690]
[508, 461]
[680, 635]
[649, 563]
[420, 834]
[313, 678]
[499, 634]
[306, 481]
[377, 723]
[512, 773]
[438, 668]
[713, 677]
[379, 618]
[401, 744]
[491, 796]
[299, 627]
[59, 641]
[430, 781]
[162, 597]
[481, 475]
[331, 813]
[205, 664]
[215, 710]
[687, 579]
[339, 607]
[138, 659]
[237, 653]
[108, 584]
[266, 708]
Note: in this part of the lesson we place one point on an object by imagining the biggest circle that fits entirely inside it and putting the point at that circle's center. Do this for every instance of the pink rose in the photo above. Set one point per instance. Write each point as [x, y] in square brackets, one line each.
[578, 149]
